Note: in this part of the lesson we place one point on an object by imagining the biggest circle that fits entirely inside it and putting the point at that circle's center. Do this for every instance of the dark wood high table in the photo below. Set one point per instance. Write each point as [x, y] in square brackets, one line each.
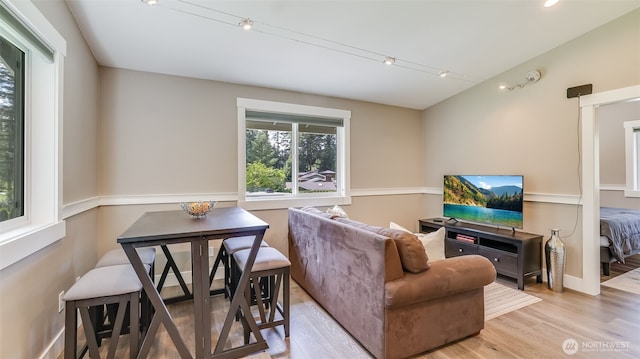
[171, 227]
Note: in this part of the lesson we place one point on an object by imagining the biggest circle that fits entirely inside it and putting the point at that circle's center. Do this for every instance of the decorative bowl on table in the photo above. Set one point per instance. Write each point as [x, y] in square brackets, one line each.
[198, 209]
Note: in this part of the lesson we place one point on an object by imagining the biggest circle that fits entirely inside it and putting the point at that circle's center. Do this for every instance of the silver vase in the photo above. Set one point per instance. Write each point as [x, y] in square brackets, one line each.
[555, 253]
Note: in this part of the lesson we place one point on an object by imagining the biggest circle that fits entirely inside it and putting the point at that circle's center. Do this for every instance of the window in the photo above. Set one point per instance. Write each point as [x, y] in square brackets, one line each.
[292, 155]
[11, 131]
[31, 68]
[632, 158]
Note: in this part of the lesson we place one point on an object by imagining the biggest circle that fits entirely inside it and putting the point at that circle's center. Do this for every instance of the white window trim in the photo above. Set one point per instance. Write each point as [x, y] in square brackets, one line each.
[631, 158]
[43, 224]
[341, 197]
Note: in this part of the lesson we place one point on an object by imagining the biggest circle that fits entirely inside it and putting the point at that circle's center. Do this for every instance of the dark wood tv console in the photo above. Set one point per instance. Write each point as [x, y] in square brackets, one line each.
[514, 254]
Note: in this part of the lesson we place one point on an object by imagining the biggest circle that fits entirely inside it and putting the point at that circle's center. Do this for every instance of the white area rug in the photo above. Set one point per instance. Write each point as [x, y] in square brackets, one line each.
[500, 299]
[628, 282]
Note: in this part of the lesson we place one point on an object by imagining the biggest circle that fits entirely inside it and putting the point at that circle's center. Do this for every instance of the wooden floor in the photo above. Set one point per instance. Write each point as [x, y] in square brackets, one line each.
[536, 331]
[630, 263]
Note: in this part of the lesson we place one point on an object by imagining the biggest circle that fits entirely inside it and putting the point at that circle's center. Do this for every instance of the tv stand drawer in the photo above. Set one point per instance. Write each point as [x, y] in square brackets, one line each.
[505, 262]
[454, 248]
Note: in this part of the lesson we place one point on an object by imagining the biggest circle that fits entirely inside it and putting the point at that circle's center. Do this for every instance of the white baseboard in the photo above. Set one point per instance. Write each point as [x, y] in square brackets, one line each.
[569, 281]
[171, 280]
[55, 348]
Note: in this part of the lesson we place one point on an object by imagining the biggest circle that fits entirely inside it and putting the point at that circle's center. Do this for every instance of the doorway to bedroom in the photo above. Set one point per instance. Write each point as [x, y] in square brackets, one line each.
[610, 122]
[590, 164]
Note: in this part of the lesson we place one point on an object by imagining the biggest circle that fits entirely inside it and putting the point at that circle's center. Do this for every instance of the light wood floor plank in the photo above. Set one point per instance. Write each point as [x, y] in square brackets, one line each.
[536, 331]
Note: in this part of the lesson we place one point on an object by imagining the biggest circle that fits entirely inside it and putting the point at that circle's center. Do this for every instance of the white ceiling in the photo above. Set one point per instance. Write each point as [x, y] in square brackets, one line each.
[336, 48]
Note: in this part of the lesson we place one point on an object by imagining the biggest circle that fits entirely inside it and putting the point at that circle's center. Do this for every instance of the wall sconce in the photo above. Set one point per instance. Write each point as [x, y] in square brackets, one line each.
[531, 77]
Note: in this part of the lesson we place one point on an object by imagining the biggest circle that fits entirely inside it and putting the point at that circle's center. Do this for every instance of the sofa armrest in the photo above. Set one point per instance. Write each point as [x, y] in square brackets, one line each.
[443, 278]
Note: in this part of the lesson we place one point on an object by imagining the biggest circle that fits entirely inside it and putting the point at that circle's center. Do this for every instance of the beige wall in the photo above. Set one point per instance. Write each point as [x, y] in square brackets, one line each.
[181, 138]
[533, 131]
[29, 289]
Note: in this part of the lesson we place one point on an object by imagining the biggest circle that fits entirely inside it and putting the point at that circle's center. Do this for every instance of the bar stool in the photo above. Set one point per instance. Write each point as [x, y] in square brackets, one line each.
[104, 285]
[118, 257]
[225, 256]
[274, 265]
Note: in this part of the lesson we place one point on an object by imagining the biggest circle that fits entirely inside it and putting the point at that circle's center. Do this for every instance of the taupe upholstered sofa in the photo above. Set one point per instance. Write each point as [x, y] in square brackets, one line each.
[366, 281]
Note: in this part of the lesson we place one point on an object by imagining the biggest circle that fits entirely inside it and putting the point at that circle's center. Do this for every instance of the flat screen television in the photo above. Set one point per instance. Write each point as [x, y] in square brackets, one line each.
[494, 199]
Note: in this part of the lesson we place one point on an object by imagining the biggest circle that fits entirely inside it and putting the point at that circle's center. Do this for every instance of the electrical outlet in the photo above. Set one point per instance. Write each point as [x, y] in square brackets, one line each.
[60, 302]
[210, 251]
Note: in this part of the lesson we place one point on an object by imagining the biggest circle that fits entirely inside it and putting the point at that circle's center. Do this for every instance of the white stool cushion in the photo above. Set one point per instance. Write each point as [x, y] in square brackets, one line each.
[234, 244]
[117, 257]
[267, 258]
[104, 282]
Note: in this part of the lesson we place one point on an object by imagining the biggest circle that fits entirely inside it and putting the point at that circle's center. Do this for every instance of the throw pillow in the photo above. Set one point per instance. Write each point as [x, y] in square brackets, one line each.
[337, 211]
[412, 254]
[433, 244]
[394, 225]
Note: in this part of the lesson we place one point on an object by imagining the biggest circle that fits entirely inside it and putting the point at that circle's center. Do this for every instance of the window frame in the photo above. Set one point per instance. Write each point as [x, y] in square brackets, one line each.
[19, 111]
[342, 194]
[632, 150]
[41, 225]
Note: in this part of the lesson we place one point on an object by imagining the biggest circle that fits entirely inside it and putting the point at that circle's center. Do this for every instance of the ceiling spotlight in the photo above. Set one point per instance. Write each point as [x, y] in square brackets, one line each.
[389, 60]
[550, 3]
[443, 74]
[150, 2]
[531, 76]
[246, 24]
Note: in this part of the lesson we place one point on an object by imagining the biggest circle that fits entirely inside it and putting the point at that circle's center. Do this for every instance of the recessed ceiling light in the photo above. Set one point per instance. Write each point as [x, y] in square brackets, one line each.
[246, 24]
[550, 3]
[443, 73]
[389, 60]
[150, 2]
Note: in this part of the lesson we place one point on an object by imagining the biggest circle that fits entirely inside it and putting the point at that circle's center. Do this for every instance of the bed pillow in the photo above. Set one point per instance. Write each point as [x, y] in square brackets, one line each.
[433, 243]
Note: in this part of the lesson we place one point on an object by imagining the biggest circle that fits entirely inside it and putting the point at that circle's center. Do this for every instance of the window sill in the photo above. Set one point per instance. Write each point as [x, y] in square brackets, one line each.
[283, 203]
[631, 193]
[18, 244]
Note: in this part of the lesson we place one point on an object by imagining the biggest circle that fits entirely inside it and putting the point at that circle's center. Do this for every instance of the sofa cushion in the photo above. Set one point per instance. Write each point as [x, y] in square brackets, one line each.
[444, 278]
[412, 253]
[357, 224]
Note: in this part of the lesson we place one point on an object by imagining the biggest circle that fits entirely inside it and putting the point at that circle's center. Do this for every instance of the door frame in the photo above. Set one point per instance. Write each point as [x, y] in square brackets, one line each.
[590, 283]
